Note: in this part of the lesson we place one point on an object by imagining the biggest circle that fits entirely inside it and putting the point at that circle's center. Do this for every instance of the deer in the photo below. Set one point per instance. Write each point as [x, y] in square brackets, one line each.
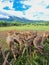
[21, 38]
[39, 40]
[10, 42]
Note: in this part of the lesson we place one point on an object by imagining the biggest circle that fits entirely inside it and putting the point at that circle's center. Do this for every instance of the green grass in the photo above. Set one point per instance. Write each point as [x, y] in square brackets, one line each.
[36, 58]
[25, 27]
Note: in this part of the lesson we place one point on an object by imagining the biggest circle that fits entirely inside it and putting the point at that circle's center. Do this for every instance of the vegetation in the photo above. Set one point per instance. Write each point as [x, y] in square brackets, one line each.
[25, 27]
[9, 25]
[5, 23]
[15, 23]
[26, 59]
[33, 59]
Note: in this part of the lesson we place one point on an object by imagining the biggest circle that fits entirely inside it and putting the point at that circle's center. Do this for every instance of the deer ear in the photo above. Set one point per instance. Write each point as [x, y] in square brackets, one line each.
[10, 32]
[44, 34]
[47, 35]
[7, 33]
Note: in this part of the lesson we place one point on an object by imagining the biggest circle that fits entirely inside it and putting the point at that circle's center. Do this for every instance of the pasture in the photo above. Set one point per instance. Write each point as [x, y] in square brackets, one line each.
[35, 58]
[4, 30]
[26, 27]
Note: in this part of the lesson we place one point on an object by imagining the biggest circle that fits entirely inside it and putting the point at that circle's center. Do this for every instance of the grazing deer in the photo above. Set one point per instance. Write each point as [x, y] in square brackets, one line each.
[10, 41]
[20, 38]
[39, 40]
[28, 38]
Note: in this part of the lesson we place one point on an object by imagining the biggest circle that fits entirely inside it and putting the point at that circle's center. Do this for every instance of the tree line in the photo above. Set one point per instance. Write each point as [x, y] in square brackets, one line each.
[15, 23]
[5, 23]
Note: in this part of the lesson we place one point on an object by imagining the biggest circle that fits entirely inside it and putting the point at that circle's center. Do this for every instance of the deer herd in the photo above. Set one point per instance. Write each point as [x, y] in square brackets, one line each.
[26, 39]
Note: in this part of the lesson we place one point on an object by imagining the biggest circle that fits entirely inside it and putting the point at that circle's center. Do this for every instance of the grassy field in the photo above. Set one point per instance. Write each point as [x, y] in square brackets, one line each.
[4, 30]
[35, 58]
[25, 27]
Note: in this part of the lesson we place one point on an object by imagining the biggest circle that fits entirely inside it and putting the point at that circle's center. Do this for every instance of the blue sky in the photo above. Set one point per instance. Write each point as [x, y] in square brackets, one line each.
[29, 9]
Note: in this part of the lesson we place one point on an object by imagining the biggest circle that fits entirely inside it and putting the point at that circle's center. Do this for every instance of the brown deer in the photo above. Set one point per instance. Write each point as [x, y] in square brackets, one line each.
[39, 40]
[20, 38]
[10, 41]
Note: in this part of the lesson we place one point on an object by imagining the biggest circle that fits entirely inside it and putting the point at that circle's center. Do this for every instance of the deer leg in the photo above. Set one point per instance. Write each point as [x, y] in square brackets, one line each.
[4, 55]
[13, 51]
[5, 61]
[26, 47]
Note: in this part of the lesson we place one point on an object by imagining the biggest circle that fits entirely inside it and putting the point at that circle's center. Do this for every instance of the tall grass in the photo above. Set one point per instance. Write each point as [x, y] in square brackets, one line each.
[35, 58]
[32, 58]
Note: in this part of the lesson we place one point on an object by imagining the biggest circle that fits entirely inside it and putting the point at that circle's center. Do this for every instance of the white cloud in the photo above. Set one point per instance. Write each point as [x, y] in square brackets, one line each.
[37, 6]
[13, 13]
[3, 16]
[24, 6]
[6, 3]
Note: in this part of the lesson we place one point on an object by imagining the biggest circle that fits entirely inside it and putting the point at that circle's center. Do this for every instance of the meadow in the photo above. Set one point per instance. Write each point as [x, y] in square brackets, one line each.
[5, 29]
[26, 27]
[35, 58]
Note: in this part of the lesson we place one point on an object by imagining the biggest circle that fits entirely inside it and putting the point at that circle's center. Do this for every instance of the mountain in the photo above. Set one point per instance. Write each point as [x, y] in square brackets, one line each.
[14, 18]
[17, 19]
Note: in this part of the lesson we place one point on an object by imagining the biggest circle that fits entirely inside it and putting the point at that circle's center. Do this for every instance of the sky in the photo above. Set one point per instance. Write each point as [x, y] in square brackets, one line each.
[29, 9]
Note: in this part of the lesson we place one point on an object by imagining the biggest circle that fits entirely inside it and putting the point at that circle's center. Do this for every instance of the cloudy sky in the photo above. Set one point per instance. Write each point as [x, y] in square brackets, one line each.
[29, 9]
